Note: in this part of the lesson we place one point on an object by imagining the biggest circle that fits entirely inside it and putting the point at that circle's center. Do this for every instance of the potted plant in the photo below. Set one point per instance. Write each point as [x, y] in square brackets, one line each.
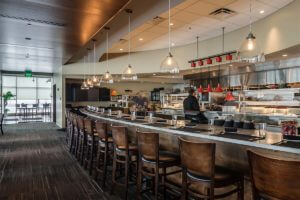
[6, 97]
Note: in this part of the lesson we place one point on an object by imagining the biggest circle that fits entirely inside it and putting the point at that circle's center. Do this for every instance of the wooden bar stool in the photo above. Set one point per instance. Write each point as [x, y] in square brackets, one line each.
[81, 142]
[273, 178]
[152, 161]
[125, 154]
[104, 151]
[91, 144]
[74, 136]
[200, 177]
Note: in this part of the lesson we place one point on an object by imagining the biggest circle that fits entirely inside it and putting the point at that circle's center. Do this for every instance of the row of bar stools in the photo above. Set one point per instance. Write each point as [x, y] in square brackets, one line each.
[104, 151]
[90, 150]
[152, 161]
[125, 153]
[198, 163]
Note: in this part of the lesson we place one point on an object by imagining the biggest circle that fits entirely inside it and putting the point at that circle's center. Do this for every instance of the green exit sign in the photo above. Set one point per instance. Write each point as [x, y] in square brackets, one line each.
[28, 73]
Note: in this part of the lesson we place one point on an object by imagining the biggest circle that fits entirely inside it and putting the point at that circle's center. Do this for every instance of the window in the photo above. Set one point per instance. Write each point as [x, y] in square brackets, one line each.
[27, 91]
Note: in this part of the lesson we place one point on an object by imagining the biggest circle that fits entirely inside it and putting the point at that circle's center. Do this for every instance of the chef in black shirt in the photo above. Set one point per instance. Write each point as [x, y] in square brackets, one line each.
[191, 108]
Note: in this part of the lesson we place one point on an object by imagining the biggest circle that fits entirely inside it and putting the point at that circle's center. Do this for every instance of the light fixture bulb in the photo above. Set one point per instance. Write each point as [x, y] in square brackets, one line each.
[128, 74]
[250, 44]
[169, 65]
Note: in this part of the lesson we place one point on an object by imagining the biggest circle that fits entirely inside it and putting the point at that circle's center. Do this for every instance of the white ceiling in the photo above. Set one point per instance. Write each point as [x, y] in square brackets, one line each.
[191, 19]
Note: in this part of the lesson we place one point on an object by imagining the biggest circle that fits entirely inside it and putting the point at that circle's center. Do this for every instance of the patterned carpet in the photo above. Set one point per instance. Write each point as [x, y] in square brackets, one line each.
[35, 164]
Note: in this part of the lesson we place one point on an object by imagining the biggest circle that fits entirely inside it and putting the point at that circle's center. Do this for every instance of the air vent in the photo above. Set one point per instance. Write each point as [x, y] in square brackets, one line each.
[32, 21]
[157, 20]
[222, 13]
[122, 41]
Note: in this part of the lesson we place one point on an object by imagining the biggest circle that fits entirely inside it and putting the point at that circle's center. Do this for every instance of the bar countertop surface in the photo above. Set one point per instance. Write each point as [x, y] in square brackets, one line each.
[250, 138]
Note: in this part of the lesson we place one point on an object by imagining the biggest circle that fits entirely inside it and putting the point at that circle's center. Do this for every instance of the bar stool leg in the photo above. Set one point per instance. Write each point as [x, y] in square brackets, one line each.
[114, 173]
[139, 182]
[156, 182]
[105, 166]
[126, 176]
[241, 190]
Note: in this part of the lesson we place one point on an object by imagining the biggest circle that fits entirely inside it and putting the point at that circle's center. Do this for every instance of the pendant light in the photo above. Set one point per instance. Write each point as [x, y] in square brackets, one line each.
[84, 85]
[107, 77]
[229, 96]
[169, 64]
[95, 79]
[89, 80]
[128, 73]
[250, 50]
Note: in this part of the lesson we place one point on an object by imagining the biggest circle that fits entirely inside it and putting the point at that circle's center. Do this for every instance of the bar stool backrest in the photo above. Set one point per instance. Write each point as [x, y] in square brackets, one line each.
[80, 122]
[198, 158]
[101, 128]
[120, 136]
[74, 119]
[275, 178]
[148, 145]
[89, 126]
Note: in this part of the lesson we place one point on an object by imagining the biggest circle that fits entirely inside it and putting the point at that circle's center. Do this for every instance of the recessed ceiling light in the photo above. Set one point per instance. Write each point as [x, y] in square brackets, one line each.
[262, 12]
[173, 44]
[171, 24]
[284, 55]
[121, 49]
[141, 39]
[27, 38]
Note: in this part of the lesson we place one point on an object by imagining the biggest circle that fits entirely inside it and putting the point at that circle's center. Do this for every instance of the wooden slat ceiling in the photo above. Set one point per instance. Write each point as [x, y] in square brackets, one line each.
[55, 30]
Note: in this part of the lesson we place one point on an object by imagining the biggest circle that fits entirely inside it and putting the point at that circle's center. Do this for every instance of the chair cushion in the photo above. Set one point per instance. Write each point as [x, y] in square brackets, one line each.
[164, 156]
[132, 147]
[223, 179]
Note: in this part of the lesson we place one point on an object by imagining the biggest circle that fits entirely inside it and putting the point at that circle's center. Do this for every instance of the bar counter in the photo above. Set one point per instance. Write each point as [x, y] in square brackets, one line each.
[231, 149]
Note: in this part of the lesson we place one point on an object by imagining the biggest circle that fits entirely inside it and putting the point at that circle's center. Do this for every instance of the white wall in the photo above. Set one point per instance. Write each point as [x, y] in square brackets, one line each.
[275, 32]
[58, 80]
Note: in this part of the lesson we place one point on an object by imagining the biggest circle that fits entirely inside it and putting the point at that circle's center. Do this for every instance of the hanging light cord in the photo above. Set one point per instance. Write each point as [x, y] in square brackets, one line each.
[94, 58]
[250, 10]
[129, 35]
[107, 50]
[197, 46]
[169, 26]
[84, 66]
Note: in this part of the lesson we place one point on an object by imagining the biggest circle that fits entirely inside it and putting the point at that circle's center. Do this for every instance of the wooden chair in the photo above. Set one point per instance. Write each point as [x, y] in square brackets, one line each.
[91, 144]
[125, 154]
[81, 141]
[75, 135]
[152, 161]
[273, 178]
[200, 177]
[104, 151]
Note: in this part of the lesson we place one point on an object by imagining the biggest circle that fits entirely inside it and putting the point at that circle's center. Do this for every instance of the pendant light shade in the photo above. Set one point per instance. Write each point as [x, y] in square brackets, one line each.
[95, 79]
[128, 72]
[200, 89]
[107, 77]
[209, 89]
[250, 50]
[229, 96]
[169, 64]
[219, 88]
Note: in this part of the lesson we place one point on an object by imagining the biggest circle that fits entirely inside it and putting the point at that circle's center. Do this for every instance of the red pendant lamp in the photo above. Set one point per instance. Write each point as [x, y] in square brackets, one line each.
[229, 96]
[209, 89]
[218, 59]
[200, 89]
[193, 64]
[200, 63]
[209, 61]
[219, 88]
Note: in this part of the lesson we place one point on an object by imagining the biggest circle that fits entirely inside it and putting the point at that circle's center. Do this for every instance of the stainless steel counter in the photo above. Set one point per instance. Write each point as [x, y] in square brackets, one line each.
[205, 133]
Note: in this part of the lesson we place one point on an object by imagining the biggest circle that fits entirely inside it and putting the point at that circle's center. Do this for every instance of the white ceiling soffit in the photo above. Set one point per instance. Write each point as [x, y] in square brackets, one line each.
[192, 18]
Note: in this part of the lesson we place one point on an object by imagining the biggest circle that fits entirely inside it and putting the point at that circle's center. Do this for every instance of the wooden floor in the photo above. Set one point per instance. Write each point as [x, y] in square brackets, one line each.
[35, 164]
